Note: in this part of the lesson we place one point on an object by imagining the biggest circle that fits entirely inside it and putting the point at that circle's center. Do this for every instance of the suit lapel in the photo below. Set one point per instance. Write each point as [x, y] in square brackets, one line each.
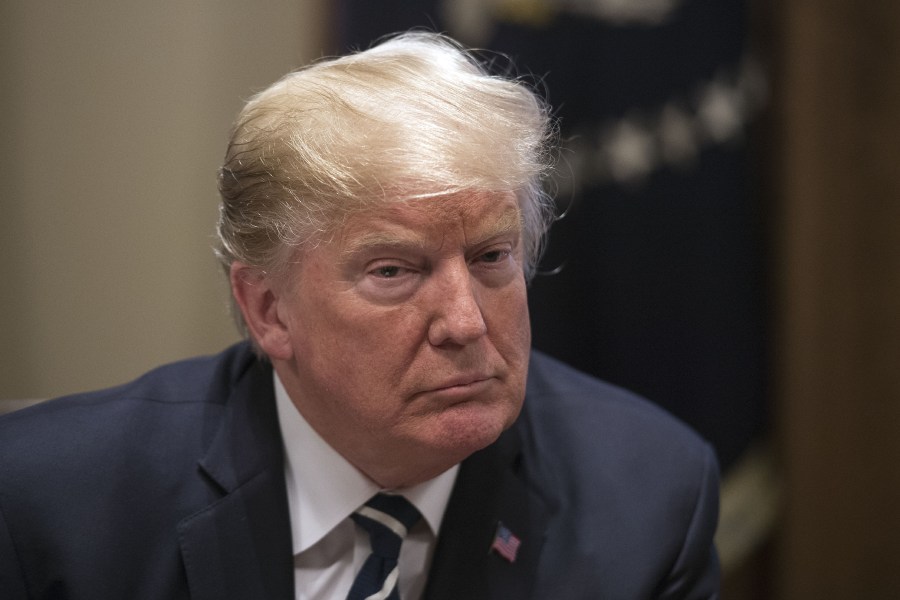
[489, 490]
[240, 545]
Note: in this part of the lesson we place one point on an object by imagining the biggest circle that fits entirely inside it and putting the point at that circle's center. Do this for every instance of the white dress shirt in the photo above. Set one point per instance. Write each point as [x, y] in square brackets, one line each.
[323, 491]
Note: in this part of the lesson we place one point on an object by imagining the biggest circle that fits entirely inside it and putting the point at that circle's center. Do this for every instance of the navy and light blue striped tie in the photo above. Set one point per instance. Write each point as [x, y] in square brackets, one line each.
[386, 519]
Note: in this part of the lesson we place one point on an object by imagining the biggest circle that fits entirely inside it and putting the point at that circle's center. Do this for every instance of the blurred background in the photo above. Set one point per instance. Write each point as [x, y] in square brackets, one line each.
[729, 248]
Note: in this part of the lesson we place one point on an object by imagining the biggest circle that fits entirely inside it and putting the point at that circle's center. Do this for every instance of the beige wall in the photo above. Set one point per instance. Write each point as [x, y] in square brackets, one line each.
[114, 117]
[838, 191]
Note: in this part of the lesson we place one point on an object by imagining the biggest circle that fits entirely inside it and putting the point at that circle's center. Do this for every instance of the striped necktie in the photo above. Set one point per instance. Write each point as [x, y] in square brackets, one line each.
[386, 519]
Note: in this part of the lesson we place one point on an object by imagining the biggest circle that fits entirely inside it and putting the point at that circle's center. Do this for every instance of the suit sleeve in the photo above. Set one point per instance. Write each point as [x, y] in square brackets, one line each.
[11, 577]
[695, 574]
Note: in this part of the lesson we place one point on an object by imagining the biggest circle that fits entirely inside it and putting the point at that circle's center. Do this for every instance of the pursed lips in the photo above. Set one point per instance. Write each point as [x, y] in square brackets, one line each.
[461, 382]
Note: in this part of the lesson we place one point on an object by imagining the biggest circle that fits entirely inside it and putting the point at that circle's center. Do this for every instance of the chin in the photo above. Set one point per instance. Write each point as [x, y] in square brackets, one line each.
[467, 430]
[444, 439]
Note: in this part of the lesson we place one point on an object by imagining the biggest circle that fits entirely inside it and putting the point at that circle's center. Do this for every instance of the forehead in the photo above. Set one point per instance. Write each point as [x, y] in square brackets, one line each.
[474, 215]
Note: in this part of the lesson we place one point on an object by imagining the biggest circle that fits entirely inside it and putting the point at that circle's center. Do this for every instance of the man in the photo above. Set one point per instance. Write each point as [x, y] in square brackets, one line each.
[380, 216]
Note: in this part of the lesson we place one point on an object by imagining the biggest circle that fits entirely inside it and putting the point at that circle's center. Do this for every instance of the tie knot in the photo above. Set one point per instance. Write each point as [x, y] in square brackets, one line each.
[387, 519]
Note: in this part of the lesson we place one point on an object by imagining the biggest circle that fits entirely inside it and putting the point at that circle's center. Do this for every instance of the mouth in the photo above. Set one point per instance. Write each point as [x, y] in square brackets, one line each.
[461, 388]
[462, 381]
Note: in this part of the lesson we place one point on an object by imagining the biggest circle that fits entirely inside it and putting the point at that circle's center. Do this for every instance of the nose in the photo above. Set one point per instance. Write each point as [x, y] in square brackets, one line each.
[457, 316]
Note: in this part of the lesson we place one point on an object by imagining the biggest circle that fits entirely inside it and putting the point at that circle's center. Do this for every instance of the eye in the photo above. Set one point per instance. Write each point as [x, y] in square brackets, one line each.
[390, 272]
[389, 281]
[495, 265]
[387, 271]
[493, 256]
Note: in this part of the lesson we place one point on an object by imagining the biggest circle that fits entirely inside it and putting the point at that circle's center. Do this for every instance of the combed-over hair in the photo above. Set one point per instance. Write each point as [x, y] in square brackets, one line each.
[415, 116]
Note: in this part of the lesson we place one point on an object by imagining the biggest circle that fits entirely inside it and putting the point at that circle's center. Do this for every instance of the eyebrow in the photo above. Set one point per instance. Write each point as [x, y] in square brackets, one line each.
[509, 223]
[381, 239]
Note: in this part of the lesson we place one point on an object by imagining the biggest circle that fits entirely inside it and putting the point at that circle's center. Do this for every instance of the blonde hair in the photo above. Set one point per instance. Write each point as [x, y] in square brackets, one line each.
[415, 116]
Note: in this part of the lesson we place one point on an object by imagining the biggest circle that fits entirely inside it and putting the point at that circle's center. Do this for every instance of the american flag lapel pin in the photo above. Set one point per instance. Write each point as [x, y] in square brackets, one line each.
[506, 544]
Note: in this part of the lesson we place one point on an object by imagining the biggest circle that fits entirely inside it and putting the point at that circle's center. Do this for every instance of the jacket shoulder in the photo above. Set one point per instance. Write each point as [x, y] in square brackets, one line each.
[566, 400]
[139, 419]
[631, 490]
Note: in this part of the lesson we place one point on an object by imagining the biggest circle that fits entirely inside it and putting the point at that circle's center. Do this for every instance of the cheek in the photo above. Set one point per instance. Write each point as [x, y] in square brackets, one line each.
[362, 351]
[511, 336]
[510, 319]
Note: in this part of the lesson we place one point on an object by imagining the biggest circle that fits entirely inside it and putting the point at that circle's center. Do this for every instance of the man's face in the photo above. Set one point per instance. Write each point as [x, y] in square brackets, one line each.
[409, 333]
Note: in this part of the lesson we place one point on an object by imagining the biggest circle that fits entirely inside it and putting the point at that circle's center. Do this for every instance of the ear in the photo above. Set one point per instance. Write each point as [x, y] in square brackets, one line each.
[258, 297]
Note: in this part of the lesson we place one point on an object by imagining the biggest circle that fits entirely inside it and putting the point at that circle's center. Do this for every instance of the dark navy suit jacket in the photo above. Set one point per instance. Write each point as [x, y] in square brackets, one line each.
[172, 487]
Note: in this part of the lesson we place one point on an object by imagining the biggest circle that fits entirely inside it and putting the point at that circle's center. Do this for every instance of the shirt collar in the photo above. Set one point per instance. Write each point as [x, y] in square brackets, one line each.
[324, 489]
